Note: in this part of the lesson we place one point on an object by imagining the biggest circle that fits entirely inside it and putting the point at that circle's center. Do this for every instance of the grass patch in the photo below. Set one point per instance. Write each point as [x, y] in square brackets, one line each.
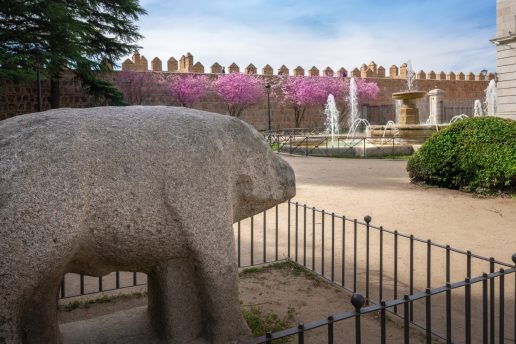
[261, 322]
[68, 307]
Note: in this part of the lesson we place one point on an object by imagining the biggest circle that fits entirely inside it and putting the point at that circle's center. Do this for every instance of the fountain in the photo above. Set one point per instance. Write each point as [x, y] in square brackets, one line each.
[353, 102]
[491, 99]
[477, 109]
[408, 125]
[332, 118]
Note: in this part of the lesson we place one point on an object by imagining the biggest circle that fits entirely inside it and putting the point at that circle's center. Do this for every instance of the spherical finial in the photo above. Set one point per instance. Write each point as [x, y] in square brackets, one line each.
[358, 301]
[514, 258]
[367, 218]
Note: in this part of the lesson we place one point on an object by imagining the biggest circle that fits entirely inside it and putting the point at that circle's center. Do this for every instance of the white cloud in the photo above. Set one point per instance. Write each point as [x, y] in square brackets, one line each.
[227, 39]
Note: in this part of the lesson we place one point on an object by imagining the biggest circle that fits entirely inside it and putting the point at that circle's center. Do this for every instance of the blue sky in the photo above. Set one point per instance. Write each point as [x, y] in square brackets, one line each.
[449, 35]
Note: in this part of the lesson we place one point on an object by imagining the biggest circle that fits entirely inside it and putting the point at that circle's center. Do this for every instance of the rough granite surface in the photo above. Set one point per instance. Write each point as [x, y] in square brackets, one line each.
[150, 189]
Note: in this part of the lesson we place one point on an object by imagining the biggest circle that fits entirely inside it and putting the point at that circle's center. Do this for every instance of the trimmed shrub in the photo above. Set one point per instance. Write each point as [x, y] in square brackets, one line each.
[476, 154]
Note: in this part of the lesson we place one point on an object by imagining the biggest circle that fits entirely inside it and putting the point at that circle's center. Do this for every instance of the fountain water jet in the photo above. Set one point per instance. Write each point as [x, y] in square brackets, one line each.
[353, 102]
[355, 125]
[491, 99]
[332, 118]
[458, 118]
[477, 109]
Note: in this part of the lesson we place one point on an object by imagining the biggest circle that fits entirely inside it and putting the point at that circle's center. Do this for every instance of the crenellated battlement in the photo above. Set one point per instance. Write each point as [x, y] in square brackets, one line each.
[186, 64]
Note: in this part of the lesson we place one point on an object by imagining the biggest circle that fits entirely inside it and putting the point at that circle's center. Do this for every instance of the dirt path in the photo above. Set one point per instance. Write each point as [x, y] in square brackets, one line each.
[382, 189]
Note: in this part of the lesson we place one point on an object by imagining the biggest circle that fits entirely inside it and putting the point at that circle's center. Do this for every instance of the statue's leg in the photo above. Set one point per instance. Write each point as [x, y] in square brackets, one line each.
[9, 319]
[174, 303]
[214, 251]
[39, 319]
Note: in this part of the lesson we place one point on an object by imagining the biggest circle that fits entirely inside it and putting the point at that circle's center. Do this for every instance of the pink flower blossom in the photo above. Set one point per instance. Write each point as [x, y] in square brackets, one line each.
[137, 87]
[238, 91]
[299, 92]
[366, 91]
[188, 89]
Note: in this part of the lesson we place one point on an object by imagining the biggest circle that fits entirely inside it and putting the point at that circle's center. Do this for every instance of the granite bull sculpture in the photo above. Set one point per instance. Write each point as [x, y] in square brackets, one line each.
[150, 189]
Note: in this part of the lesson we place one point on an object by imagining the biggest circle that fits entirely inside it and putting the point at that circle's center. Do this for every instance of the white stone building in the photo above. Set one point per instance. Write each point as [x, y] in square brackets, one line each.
[505, 42]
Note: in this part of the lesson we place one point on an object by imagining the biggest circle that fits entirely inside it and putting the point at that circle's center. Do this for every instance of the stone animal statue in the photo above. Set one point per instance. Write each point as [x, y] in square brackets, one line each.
[150, 189]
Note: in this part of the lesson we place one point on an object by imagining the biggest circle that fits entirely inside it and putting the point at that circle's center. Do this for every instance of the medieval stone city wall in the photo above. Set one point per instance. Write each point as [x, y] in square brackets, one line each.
[459, 87]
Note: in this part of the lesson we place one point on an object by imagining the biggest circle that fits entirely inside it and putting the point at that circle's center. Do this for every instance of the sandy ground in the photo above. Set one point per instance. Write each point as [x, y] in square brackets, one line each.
[273, 291]
[382, 189]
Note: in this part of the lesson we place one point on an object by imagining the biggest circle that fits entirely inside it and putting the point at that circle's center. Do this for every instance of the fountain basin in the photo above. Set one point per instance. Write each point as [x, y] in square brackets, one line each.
[409, 95]
[413, 133]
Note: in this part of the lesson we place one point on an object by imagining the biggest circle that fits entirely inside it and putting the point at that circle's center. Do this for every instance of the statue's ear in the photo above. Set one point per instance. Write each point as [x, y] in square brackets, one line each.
[244, 186]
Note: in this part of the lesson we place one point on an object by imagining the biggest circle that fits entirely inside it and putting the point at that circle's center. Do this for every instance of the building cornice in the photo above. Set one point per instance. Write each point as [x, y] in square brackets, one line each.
[511, 37]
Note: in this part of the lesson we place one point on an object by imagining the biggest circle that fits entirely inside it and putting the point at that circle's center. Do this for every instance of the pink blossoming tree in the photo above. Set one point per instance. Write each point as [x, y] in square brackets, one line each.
[137, 87]
[187, 90]
[238, 91]
[366, 91]
[299, 92]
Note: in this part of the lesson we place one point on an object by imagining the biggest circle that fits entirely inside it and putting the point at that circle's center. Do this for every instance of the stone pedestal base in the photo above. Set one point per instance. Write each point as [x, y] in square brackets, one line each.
[409, 115]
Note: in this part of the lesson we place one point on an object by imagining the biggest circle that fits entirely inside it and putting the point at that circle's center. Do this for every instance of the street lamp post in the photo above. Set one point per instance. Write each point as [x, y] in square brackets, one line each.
[37, 53]
[268, 88]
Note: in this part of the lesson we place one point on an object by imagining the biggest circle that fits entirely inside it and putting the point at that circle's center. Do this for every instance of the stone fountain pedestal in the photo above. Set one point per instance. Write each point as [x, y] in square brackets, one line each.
[409, 127]
[409, 114]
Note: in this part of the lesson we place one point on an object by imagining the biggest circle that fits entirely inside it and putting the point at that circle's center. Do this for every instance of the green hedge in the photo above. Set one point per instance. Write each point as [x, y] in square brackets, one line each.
[476, 154]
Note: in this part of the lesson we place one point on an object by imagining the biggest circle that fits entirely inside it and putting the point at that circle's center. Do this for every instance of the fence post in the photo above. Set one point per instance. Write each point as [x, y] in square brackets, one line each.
[448, 263]
[492, 300]
[367, 219]
[330, 329]
[322, 244]
[428, 308]
[297, 230]
[301, 333]
[268, 337]
[381, 264]
[238, 243]
[383, 334]
[358, 302]
[304, 235]
[411, 267]
[277, 232]
[265, 236]
[485, 319]
[288, 230]
[313, 238]
[514, 325]
[332, 247]
[448, 314]
[406, 319]
[252, 240]
[395, 269]
[501, 301]
[355, 256]
[429, 264]
[467, 291]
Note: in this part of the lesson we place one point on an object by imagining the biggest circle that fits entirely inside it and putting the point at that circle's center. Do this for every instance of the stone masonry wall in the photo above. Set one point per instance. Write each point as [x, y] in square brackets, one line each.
[22, 98]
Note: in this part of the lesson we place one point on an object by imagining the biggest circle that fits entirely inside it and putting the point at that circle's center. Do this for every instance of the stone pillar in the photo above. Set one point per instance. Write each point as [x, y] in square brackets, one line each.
[436, 98]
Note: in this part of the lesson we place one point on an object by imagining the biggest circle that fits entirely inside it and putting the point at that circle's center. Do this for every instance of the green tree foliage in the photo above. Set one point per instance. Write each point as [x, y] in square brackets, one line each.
[83, 36]
[476, 154]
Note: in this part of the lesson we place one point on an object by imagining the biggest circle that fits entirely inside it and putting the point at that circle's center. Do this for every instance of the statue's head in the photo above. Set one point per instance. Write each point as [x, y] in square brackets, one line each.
[262, 178]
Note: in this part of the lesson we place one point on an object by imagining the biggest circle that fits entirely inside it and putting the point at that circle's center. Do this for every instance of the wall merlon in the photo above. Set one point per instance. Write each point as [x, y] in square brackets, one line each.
[299, 71]
[283, 70]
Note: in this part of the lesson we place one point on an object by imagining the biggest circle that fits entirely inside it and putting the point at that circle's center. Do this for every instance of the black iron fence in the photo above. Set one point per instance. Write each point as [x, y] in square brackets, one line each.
[492, 328]
[360, 257]
[341, 146]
